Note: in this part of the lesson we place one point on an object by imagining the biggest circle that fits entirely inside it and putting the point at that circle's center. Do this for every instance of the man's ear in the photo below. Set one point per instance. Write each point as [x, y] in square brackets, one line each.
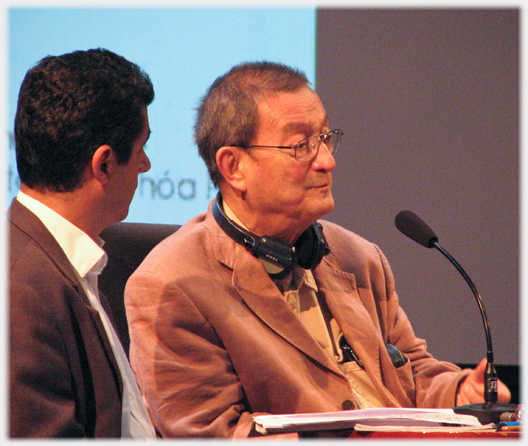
[230, 160]
[102, 164]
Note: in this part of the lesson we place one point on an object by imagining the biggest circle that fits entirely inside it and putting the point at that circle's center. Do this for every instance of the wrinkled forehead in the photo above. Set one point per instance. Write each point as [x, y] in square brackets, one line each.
[300, 110]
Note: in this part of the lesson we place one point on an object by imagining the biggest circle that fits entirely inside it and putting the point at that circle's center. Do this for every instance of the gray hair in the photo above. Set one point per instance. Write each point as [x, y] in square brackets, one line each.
[228, 113]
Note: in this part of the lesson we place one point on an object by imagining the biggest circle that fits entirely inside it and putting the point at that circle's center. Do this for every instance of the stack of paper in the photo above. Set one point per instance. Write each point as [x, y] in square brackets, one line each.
[348, 419]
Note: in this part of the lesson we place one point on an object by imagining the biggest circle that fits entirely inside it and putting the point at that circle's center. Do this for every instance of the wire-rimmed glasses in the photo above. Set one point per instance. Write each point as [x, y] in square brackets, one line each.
[306, 149]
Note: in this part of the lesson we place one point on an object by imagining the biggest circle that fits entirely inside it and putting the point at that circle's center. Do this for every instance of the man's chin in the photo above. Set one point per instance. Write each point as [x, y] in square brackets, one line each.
[327, 205]
[122, 215]
[323, 210]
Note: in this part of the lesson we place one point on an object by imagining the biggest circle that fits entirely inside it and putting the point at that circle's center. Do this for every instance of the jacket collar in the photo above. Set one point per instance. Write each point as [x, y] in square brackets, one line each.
[29, 223]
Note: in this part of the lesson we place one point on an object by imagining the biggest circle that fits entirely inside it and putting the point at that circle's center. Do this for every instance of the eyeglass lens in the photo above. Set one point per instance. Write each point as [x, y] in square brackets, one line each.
[307, 151]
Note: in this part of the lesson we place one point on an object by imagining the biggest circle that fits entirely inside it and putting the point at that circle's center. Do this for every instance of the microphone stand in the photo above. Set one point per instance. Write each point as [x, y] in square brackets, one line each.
[490, 411]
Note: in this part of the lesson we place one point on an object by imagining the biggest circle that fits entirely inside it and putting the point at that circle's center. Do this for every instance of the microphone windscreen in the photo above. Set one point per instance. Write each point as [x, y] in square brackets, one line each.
[415, 228]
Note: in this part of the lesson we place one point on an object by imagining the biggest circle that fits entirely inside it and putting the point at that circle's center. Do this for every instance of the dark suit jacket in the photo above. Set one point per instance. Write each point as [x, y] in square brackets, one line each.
[64, 379]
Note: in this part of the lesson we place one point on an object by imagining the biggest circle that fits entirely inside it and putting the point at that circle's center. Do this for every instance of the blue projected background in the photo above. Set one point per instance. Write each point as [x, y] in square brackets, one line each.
[183, 50]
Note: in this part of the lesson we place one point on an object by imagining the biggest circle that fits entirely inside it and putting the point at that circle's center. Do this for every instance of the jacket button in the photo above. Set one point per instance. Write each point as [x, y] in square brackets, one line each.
[347, 405]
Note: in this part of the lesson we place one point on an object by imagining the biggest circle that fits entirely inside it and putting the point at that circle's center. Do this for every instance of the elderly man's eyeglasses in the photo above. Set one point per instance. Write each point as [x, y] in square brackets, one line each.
[306, 149]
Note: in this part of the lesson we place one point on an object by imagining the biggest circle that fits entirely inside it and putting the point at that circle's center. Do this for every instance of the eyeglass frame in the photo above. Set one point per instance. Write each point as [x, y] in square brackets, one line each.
[337, 132]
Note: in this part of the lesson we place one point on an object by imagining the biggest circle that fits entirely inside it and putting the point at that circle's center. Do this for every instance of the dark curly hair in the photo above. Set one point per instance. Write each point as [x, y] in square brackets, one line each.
[69, 106]
[228, 113]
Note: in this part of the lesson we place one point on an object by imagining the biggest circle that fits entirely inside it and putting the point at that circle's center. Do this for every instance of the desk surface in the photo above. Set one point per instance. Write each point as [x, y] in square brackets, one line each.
[350, 433]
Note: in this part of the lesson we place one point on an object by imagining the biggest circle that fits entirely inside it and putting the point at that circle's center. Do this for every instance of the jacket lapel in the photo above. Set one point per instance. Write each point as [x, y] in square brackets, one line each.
[362, 333]
[342, 297]
[262, 296]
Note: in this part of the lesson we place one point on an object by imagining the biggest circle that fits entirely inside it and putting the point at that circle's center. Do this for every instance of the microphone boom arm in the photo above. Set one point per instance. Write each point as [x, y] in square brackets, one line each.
[490, 375]
[475, 293]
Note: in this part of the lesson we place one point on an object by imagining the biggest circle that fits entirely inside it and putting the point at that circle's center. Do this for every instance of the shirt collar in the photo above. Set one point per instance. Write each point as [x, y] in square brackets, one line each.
[86, 255]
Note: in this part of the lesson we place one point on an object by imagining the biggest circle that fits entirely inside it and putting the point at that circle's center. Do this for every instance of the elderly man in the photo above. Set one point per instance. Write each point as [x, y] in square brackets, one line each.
[80, 129]
[256, 306]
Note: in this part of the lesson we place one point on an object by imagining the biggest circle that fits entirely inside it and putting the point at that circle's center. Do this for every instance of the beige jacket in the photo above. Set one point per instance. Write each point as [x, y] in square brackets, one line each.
[213, 341]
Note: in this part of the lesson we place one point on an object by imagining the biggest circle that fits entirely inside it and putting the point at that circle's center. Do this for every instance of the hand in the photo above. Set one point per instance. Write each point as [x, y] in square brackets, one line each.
[471, 390]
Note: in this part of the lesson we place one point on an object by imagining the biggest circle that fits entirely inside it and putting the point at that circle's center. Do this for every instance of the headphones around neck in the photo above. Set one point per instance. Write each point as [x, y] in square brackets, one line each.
[307, 252]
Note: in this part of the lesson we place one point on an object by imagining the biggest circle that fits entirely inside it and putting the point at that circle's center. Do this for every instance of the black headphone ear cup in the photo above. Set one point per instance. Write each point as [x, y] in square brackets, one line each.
[311, 247]
[304, 248]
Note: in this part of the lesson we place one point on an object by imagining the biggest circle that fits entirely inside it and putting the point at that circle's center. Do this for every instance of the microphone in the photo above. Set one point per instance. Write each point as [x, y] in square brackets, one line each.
[490, 411]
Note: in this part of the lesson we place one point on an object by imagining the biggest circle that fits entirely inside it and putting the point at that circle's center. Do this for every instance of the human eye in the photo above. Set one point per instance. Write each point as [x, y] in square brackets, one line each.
[302, 144]
[328, 138]
[302, 147]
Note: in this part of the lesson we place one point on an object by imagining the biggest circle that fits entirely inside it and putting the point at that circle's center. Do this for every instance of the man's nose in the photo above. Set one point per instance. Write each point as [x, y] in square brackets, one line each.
[324, 160]
[145, 164]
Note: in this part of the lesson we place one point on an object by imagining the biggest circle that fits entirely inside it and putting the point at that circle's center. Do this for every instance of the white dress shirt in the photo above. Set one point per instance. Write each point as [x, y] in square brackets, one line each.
[88, 260]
